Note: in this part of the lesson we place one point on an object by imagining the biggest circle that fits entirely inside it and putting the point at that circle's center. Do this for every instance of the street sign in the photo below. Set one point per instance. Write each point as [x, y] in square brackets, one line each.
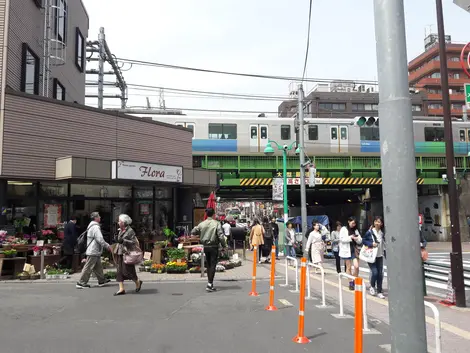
[463, 4]
[467, 94]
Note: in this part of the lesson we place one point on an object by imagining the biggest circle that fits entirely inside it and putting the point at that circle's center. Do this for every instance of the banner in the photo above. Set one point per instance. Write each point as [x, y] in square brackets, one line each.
[278, 189]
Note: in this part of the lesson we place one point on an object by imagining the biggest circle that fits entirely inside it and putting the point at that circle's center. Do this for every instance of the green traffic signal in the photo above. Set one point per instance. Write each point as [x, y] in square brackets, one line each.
[361, 121]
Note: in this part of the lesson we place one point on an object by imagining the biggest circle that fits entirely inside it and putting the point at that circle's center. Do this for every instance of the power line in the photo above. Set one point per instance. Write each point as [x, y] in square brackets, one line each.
[308, 39]
[271, 77]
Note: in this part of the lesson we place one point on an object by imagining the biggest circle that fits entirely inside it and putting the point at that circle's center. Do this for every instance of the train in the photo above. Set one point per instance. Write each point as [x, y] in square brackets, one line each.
[323, 136]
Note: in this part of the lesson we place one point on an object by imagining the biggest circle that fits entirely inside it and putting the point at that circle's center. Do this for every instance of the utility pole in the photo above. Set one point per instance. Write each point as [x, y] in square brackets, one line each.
[303, 195]
[101, 61]
[400, 200]
[456, 265]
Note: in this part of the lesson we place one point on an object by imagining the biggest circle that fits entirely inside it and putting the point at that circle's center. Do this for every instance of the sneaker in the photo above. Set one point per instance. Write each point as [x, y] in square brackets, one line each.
[210, 288]
[380, 296]
[106, 281]
[82, 286]
[372, 291]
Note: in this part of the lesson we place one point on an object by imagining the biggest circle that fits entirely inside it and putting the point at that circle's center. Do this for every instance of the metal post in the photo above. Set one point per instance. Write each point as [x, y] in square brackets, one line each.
[284, 188]
[303, 195]
[244, 250]
[42, 265]
[203, 262]
[425, 292]
[456, 255]
[101, 60]
[400, 201]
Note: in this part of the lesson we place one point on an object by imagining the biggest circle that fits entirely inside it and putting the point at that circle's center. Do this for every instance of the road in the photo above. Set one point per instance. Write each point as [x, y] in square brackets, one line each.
[436, 282]
[167, 318]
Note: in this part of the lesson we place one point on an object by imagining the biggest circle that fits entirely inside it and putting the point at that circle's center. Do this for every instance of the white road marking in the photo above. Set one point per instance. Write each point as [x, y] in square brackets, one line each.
[286, 302]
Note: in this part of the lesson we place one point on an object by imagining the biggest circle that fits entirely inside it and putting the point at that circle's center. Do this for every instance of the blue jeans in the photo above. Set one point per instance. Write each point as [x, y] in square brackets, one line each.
[290, 251]
[377, 273]
[276, 242]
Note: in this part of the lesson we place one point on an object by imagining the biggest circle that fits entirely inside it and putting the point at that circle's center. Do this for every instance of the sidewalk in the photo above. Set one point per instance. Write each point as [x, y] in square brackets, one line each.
[454, 321]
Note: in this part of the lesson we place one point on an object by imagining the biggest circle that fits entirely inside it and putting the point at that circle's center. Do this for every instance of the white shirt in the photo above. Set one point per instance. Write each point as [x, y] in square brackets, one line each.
[380, 242]
[226, 228]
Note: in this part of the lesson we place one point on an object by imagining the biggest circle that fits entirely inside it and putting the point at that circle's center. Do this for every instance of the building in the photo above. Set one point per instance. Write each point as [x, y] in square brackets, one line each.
[343, 100]
[425, 76]
[59, 157]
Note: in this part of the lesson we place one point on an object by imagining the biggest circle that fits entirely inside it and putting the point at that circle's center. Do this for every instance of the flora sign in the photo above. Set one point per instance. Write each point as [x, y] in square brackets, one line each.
[146, 172]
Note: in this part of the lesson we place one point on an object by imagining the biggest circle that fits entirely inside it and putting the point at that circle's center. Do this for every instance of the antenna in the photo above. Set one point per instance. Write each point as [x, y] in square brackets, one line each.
[148, 103]
[162, 99]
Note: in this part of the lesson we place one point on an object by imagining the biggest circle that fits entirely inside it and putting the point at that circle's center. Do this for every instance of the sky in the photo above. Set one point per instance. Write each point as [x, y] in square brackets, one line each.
[251, 36]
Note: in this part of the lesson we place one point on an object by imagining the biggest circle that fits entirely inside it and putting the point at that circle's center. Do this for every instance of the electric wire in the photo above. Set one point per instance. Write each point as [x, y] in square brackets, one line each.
[308, 39]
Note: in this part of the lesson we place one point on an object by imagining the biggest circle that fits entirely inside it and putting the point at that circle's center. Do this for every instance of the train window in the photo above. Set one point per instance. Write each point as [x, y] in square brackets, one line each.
[370, 134]
[190, 127]
[462, 135]
[264, 132]
[435, 134]
[285, 132]
[254, 132]
[334, 133]
[313, 132]
[344, 132]
[223, 131]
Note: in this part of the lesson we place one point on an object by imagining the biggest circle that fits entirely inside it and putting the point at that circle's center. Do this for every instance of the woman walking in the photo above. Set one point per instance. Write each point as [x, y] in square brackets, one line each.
[375, 238]
[256, 237]
[350, 240]
[126, 241]
[268, 237]
[316, 245]
[334, 237]
[290, 239]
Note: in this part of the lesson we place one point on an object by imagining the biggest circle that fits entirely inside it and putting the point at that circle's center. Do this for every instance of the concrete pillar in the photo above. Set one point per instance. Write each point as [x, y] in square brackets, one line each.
[464, 207]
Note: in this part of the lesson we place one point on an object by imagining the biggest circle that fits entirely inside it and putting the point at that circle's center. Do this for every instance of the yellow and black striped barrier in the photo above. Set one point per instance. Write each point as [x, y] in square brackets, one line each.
[324, 181]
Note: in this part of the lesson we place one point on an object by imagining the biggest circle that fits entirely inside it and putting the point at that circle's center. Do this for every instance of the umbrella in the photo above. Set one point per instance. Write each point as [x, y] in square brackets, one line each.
[210, 203]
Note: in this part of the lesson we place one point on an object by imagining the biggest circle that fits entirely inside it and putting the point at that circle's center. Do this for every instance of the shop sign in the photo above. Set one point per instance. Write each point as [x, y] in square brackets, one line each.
[146, 172]
[296, 181]
[295, 174]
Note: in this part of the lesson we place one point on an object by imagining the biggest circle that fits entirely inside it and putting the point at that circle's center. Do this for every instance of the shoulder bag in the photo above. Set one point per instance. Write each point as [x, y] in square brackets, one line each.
[134, 256]
[369, 254]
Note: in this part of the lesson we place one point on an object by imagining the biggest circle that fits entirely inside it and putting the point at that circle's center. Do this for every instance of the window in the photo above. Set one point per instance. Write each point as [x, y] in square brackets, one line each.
[435, 106]
[79, 50]
[58, 90]
[344, 132]
[416, 107]
[60, 20]
[435, 75]
[435, 134]
[360, 107]
[30, 71]
[313, 132]
[332, 106]
[455, 59]
[254, 132]
[190, 126]
[285, 132]
[334, 133]
[223, 131]
[264, 132]
[370, 134]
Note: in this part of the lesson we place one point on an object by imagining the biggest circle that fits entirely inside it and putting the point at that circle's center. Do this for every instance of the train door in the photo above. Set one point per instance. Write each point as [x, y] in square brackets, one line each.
[339, 139]
[258, 137]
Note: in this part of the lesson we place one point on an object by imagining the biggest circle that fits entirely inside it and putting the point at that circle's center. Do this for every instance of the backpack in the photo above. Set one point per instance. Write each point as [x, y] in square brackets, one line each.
[268, 231]
[82, 245]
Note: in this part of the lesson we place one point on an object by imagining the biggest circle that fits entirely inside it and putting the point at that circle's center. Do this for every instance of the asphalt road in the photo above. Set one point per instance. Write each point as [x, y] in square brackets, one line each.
[167, 318]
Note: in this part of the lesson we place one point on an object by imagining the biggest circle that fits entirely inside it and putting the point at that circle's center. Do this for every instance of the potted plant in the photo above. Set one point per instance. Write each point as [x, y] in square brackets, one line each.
[56, 250]
[169, 234]
[35, 276]
[10, 253]
[47, 250]
[105, 262]
[175, 254]
[23, 276]
[3, 236]
[176, 267]
[110, 275]
[195, 269]
[157, 268]
[37, 250]
[147, 265]
[161, 244]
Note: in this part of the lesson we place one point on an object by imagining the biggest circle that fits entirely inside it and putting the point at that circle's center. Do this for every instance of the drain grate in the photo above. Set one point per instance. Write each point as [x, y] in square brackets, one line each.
[176, 293]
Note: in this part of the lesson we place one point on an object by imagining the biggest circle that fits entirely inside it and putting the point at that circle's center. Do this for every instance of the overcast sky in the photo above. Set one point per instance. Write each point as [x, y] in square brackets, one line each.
[252, 36]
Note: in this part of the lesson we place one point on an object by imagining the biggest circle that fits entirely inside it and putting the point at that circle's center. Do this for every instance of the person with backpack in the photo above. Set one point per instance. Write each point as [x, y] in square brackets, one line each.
[92, 243]
[211, 236]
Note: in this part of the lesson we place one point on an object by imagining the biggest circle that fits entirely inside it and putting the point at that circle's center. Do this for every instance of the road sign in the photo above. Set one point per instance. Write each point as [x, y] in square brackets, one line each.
[467, 93]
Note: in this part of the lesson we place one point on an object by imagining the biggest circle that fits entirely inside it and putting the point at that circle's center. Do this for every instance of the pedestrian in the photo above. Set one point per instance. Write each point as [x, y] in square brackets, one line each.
[211, 236]
[95, 246]
[275, 235]
[350, 240]
[256, 237]
[334, 237]
[126, 241]
[290, 239]
[315, 244]
[70, 241]
[227, 228]
[268, 238]
[375, 238]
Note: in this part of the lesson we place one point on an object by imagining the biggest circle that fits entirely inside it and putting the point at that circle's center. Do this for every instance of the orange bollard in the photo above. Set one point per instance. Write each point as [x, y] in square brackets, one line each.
[253, 292]
[358, 316]
[271, 306]
[300, 338]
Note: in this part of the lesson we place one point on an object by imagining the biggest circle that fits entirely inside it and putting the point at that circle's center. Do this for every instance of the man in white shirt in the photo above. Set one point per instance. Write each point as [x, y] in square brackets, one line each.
[227, 229]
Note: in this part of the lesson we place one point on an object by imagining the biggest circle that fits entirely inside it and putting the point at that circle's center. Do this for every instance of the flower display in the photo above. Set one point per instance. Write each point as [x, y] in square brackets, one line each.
[3, 235]
[197, 249]
[158, 268]
[176, 267]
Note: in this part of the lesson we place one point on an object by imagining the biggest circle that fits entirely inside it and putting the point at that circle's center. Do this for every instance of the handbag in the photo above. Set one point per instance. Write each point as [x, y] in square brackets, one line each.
[368, 254]
[134, 257]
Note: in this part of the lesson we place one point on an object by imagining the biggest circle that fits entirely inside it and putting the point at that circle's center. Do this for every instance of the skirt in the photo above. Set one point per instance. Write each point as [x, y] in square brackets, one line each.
[124, 272]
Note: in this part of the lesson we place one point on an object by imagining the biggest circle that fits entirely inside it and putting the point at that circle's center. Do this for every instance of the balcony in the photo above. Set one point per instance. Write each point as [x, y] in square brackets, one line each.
[453, 97]
[439, 112]
[453, 82]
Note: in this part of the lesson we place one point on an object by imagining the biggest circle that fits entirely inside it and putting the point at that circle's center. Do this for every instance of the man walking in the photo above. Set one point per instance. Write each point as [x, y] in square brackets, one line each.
[275, 228]
[95, 246]
[70, 241]
[212, 235]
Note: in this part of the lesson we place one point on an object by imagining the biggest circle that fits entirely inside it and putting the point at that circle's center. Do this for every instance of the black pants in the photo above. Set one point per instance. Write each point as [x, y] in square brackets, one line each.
[338, 261]
[211, 254]
[66, 261]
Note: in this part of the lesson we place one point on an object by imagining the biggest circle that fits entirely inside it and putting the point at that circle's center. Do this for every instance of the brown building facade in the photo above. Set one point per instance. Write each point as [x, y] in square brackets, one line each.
[425, 76]
[60, 158]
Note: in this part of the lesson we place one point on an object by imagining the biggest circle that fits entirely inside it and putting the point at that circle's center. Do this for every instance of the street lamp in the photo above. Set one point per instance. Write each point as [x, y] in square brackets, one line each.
[269, 150]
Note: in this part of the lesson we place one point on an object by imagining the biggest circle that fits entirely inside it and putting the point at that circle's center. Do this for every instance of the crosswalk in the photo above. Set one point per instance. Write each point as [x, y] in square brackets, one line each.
[437, 278]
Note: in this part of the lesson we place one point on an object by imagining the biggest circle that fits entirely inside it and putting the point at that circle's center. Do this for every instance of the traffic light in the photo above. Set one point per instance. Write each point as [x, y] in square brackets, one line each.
[366, 121]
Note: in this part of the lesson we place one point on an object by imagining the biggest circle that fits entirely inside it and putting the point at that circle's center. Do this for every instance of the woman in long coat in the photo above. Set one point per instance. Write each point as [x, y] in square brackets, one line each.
[126, 241]
[256, 237]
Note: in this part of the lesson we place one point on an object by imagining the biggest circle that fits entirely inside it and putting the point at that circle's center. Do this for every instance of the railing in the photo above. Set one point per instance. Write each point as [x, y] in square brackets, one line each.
[322, 271]
[341, 304]
[440, 272]
[296, 263]
[437, 326]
